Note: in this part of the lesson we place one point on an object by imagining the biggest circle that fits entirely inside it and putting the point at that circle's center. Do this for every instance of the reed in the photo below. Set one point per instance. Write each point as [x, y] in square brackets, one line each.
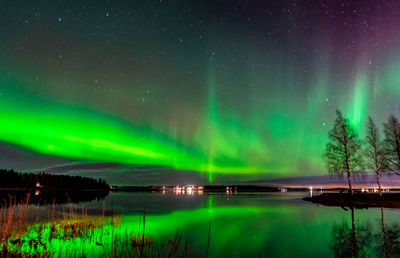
[69, 231]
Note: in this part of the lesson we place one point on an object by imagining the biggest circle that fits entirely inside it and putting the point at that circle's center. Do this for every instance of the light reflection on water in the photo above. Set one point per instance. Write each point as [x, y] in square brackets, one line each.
[267, 224]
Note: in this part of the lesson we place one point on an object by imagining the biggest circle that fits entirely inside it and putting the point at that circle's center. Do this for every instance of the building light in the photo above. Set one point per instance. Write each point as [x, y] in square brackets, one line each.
[186, 189]
[228, 190]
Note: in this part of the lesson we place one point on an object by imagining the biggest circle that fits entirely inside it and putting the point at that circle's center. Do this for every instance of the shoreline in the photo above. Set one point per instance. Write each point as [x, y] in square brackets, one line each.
[357, 200]
[45, 189]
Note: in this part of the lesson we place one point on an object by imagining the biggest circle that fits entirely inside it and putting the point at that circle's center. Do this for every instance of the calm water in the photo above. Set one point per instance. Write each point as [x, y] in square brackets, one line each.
[253, 225]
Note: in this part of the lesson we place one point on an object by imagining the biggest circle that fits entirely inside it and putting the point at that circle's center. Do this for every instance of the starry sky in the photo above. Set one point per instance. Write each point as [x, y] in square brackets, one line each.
[210, 89]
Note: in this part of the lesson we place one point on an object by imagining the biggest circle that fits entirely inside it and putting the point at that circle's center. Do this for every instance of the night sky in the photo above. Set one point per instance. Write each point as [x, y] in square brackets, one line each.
[214, 89]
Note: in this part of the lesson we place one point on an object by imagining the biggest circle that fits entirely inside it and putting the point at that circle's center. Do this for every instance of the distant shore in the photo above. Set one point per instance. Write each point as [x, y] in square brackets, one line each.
[51, 189]
[218, 188]
[357, 200]
[205, 188]
[10, 179]
[41, 188]
[246, 188]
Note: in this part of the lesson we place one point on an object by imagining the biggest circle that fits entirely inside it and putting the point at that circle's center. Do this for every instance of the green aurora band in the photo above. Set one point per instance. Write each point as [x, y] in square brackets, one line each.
[275, 141]
[222, 143]
[220, 89]
[55, 129]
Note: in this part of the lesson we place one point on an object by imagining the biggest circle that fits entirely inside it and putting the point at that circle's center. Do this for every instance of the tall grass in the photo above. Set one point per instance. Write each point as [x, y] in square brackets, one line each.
[13, 217]
[69, 231]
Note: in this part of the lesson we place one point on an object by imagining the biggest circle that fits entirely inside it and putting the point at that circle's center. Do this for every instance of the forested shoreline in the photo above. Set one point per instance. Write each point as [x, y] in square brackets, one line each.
[13, 179]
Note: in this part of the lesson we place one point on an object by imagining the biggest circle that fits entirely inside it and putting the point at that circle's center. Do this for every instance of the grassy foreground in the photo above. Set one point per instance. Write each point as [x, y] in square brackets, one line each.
[31, 231]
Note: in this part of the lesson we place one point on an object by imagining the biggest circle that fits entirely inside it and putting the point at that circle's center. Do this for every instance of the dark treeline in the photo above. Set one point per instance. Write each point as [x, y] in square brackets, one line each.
[39, 197]
[12, 179]
[346, 153]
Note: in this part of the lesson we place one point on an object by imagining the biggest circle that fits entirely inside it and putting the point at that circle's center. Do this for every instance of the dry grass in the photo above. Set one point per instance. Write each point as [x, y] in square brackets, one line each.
[13, 218]
[29, 231]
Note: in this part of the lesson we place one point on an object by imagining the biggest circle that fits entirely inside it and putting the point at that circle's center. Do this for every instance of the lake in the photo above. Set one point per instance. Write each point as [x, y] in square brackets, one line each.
[258, 225]
[197, 225]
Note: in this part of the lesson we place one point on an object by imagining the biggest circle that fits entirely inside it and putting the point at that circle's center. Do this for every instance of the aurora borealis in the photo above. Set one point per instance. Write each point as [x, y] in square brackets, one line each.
[217, 87]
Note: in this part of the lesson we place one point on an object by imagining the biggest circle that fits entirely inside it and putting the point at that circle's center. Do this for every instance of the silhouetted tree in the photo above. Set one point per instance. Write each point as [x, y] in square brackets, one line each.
[342, 154]
[375, 152]
[392, 143]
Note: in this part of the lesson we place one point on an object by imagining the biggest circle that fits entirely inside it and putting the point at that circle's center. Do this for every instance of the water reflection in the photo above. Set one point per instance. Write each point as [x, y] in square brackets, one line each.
[253, 225]
[388, 240]
[362, 240]
[273, 224]
[351, 241]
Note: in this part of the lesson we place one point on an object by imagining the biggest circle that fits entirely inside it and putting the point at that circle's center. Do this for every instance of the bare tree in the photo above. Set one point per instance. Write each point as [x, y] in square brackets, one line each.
[375, 152]
[342, 154]
[392, 143]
